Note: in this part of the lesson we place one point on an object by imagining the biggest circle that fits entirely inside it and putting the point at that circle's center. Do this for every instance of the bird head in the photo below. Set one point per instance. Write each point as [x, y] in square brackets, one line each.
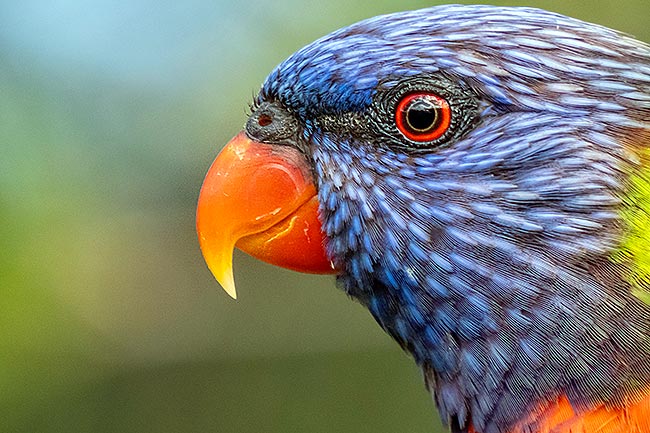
[414, 137]
[478, 178]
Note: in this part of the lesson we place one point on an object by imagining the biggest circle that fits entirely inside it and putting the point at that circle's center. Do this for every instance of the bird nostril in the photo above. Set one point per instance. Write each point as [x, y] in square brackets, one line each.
[264, 120]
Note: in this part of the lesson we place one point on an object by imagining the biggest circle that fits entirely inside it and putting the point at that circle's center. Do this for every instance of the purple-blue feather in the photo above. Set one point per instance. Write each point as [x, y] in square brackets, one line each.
[487, 258]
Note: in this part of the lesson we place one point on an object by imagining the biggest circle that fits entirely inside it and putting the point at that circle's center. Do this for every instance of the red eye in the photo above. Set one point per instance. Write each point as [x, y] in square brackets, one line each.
[423, 116]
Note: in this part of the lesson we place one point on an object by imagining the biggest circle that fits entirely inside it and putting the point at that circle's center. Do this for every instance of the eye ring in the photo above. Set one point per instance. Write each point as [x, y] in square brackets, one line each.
[423, 117]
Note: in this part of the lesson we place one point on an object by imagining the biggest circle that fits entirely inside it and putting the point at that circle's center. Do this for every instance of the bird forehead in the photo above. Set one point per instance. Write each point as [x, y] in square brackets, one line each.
[498, 49]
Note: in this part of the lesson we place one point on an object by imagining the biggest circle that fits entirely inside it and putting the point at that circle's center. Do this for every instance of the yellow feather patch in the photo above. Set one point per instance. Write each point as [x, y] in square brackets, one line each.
[634, 250]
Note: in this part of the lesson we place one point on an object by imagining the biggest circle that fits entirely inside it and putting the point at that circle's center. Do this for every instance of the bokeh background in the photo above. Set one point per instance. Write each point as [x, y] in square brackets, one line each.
[110, 114]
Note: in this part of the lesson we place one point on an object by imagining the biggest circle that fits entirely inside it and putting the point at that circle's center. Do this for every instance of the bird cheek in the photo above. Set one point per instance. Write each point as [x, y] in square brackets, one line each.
[260, 198]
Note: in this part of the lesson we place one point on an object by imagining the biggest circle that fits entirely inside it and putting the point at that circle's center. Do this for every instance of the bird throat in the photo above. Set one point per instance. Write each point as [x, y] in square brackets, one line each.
[499, 327]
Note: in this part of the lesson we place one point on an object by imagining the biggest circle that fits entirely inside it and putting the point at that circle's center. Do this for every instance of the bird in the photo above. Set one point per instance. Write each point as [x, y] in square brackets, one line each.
[477, 177]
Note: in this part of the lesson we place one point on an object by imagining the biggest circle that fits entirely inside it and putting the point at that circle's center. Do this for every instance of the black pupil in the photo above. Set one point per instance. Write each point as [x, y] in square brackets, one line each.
[422, 115]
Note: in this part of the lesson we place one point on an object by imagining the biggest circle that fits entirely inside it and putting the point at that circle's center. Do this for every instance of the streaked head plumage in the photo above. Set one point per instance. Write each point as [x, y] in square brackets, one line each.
[474, 249]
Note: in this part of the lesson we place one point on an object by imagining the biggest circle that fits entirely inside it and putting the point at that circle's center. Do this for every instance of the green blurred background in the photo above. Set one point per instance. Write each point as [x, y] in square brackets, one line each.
[110, 114]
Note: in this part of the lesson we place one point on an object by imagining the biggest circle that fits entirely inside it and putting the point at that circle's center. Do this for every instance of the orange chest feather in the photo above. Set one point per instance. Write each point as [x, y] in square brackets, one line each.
[559, 417]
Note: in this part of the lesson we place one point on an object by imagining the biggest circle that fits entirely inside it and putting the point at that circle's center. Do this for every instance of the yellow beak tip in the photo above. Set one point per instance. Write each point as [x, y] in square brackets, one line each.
[220, 266]
[230, 289]
[227, 281]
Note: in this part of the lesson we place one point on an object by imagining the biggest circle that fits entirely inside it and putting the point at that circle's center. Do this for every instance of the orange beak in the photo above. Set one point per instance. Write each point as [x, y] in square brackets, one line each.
[260, 198]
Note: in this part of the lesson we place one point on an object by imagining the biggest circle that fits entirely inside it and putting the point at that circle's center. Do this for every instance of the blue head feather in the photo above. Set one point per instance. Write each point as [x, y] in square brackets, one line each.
[487, 258]
[501, 51]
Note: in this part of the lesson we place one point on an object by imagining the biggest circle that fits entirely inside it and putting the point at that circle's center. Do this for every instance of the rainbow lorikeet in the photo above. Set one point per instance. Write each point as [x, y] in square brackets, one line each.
[479, 178]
